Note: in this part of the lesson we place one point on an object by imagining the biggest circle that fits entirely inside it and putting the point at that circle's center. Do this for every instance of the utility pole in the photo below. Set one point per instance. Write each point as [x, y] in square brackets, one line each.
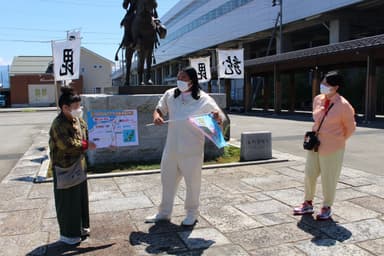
[280, 17]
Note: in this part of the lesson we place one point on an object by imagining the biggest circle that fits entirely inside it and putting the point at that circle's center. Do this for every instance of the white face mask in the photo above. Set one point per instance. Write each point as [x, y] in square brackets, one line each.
[77, 113]
[183, 86]
[324, 89]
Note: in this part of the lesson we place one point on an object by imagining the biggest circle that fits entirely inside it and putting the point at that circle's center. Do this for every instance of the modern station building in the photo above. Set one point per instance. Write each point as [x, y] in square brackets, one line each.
[283, 64]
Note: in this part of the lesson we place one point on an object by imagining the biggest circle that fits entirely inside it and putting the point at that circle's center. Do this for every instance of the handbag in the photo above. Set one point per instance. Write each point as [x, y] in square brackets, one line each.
[311, 140]
[73, 175]
[70, 176]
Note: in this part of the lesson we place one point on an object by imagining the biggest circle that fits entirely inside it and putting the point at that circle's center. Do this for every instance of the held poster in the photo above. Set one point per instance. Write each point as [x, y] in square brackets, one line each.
[113, 128]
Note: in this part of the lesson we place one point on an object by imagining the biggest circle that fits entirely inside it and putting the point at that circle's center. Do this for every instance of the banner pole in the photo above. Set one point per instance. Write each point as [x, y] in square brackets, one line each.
[55, 81]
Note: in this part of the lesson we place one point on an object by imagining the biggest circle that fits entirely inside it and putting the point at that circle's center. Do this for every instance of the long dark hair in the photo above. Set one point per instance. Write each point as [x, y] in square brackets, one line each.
[192, 74]
[68, 96]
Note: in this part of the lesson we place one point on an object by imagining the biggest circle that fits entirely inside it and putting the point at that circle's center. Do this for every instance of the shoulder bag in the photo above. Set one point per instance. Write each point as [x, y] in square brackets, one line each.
[311, 140]
[72, 175]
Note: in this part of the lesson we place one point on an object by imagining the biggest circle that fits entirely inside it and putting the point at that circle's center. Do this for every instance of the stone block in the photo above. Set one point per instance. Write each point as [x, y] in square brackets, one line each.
[256, 146]
[151, 139]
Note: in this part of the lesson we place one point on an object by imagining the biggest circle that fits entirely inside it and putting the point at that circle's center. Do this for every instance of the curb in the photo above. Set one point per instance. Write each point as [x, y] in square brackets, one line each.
[41, 179]
[16, 110]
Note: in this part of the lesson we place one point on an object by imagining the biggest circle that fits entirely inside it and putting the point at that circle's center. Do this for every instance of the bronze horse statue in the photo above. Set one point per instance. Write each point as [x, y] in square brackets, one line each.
[139, 35]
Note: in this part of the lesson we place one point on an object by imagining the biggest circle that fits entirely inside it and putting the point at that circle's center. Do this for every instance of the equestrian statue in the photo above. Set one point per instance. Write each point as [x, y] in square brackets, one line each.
[141, 27]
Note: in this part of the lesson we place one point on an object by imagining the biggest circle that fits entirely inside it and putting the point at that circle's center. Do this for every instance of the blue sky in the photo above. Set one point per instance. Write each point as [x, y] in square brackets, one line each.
[27, 27]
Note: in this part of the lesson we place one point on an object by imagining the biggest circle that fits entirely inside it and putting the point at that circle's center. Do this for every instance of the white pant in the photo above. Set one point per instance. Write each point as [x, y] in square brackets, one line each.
[329, 167]
[173, 168]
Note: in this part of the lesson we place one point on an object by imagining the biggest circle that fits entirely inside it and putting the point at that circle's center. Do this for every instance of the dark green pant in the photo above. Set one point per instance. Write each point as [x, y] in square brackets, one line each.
[72, 209]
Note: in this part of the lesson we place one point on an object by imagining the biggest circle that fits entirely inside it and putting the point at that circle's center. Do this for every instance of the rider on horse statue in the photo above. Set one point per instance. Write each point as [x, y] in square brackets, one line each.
[127, 21]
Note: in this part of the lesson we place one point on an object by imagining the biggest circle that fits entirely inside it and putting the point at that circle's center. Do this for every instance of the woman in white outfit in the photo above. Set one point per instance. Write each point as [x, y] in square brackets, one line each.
[183, 154]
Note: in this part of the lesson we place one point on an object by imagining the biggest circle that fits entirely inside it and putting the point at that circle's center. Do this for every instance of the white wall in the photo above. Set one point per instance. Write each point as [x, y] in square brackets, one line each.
[257, 15]
[41, 94]
[96, 72]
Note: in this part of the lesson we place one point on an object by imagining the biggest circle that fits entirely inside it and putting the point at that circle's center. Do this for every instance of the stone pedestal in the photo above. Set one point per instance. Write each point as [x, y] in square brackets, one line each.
[256, 146]
[151, 138]
[143, 89]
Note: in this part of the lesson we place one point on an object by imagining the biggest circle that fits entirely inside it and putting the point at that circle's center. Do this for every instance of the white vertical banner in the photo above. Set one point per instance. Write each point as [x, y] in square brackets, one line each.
[230, 63]
[73, 35]
[66, 59]
[203, 68]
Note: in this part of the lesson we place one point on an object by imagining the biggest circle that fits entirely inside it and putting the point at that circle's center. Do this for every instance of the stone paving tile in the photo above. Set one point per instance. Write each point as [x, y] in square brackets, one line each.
[374, 246]
[225, 250]
[22, 173]
[370, 202]
[119, 204]
[291, 172]
[376, 190]
[226, 199]
[41, 190]
[155, 193]
[263, 207]
[291, 196]
[23, 244]
[272, 182]
[203, 238]
[361, 230]
[102, 185]
[87, 247]
[207, 190]
[355, 182]
[50, 210]
[149, 244]
[233, 185]
[22, 204]
[353, 173]
[137, 183]
[239, 171]
[228, 219]
[259, 196]
[111, 226]
[347, 194]
[330, 247]
[11, 192]
[353, 212]
[104, 195]
[298, 167]
[51, 226]
[20, 222]
[268, 236]
[309, 224]
[276, 218]
[281, 250]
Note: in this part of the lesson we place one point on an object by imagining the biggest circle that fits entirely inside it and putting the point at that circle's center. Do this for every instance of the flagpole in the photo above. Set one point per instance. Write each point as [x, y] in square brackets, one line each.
[55, 81]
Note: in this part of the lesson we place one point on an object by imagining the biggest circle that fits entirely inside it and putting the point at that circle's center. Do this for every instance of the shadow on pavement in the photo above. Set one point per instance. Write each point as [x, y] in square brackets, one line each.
[59, 248]
[325, 233]
[167, 237]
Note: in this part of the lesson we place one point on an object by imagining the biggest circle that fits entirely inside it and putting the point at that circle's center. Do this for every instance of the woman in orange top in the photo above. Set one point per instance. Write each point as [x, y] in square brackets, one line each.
[338, 126]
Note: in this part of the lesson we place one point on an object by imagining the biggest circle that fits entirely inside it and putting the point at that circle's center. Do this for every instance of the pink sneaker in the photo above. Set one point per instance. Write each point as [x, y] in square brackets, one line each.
[305, 208]
[324, 214]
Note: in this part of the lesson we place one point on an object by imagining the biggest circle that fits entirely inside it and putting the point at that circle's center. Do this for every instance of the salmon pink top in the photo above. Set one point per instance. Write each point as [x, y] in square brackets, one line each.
[338, 125]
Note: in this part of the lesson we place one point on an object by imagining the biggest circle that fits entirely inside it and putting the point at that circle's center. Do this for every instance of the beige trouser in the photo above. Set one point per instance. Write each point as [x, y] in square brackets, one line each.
[173, 168]
[329, 167]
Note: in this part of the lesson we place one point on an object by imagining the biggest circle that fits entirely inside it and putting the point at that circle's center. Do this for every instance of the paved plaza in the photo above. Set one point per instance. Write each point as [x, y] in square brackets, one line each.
[245, 210]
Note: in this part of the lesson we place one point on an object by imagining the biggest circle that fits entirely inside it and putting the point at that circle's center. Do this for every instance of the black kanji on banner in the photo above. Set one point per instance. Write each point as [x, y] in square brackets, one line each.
[67, 66]
[202, 71]
[232, 65]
